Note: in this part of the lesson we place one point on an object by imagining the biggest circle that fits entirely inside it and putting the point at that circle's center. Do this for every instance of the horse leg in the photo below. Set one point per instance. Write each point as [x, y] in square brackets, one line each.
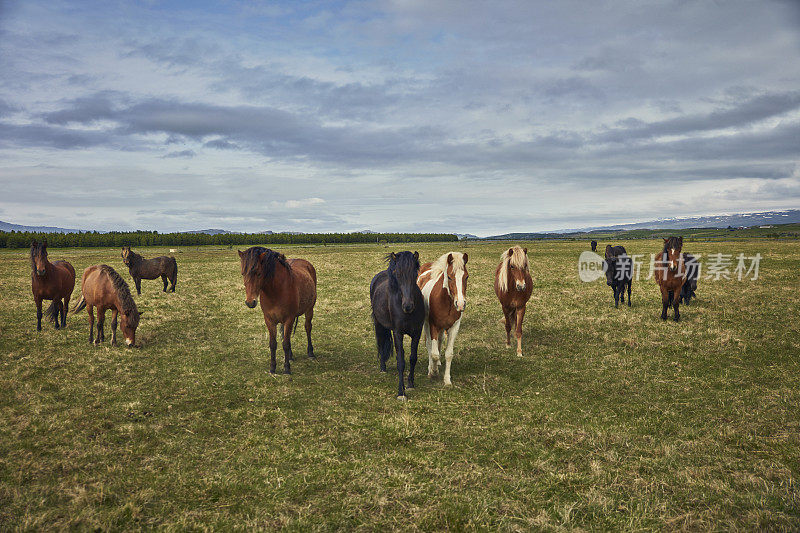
[452, 333]
[64, 312]
[630, 282]
[434, 359]
[56, 313]
[412, 359]
[38, 314]
[287, 346]
[164, 279]
[383, 337]
[664, 302]
[101, 319]
[309, 316]
[401, 363]
[675, 303]
[622, 292]
[173, 280]
[510, 317]
[615, 287]
[272, 332]
[138, 283]
[114, 314]
[520, 317]
[90, 311]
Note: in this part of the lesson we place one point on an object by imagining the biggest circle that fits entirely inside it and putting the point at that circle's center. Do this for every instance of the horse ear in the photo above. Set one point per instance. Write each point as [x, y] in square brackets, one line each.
[665, 240]
[33, 243]
[449, 259]
[465, 258]
[525, 250]
[393, 256]
[416, 256]
[241, 253]
[680, 239]
[510, 252]
[44, 244]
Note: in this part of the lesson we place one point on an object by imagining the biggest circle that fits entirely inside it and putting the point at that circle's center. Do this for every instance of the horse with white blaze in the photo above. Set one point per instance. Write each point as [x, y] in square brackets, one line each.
[444, 288]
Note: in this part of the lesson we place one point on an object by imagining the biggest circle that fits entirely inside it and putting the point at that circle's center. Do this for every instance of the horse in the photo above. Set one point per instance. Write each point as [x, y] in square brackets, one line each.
[670, 274]
[593, 244]
[287, 289]
[692, 275]
[444, 303]
[398, 308]
[619, 272]
[50, 281]
[141, 268]
[513, 285]
[104, 288]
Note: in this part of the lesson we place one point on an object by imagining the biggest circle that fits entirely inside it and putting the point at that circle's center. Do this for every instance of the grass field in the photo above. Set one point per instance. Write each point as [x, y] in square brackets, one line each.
[613, 419]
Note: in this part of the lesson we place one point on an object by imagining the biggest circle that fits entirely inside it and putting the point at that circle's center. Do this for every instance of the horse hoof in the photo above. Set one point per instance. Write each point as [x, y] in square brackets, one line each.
[410, 387]
[519, 354]
[402, 398]
[448, 383]
[508, 345]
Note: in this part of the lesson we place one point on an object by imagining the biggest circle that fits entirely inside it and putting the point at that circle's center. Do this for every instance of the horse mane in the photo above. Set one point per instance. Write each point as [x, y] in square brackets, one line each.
[401, 261]
[254, 264]
[673, 242]
[518, 259]
[35, 246]
[439, 266]
[123, 291]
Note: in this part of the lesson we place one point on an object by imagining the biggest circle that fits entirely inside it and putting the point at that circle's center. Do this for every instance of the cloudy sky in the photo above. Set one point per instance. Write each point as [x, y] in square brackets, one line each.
[446, 115]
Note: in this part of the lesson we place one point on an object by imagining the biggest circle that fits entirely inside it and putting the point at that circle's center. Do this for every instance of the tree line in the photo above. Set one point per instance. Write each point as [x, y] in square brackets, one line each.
[23, 239]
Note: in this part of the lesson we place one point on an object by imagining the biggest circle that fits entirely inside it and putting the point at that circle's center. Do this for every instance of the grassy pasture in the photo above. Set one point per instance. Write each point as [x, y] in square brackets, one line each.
[613, 419]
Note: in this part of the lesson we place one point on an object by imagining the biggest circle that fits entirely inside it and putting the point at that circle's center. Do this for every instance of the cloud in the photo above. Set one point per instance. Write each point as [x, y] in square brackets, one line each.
[180, 154]
[305, 202]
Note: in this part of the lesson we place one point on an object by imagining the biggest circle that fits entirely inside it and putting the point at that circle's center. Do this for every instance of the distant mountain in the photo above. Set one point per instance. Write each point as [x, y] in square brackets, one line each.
[462, 236]
[211, 231]
[7, 226]
[791, 216]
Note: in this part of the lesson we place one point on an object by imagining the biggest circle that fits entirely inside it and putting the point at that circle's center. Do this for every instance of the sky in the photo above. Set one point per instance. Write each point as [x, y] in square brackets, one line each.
[433, 116]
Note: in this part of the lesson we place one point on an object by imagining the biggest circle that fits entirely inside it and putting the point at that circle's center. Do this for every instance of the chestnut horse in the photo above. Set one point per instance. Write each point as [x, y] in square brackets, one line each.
[287, 289]
[141, 268]
[513, 286]
[670, 274]
[50, 281]
[444, 287]
[104, 288]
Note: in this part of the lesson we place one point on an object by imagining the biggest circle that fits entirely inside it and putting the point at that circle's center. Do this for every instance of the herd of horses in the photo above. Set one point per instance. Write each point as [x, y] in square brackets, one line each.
[407, 298]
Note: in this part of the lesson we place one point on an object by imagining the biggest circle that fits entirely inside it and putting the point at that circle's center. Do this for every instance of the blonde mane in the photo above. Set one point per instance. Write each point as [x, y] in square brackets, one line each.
[518, 259]
[439, 267]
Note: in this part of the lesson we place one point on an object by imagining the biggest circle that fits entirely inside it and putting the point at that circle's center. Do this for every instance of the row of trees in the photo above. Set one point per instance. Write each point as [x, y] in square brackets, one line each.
[22, 239]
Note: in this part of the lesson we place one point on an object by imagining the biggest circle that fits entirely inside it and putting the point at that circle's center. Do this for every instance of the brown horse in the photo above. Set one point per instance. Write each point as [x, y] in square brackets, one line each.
[670, 274]
[50, 281]
[513, 286]
[287, 289]
[103, 288]
[141, 268]
[444, 303]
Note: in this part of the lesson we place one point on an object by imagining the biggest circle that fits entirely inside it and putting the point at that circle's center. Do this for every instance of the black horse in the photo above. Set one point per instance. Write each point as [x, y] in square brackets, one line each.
[692, 275]
[398, 309]
[594, 245]
[619, 272]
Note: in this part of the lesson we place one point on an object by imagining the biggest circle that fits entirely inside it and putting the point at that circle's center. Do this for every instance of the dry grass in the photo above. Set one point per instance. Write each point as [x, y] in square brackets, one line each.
[612, 420]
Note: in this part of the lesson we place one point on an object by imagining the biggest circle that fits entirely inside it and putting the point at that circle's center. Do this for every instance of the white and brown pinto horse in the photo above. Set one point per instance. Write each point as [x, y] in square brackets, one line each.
[444, 287]
[513, 286]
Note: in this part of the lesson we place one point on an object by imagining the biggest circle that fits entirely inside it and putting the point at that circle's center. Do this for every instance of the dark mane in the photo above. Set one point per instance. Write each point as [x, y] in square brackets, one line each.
[133, 257]
[254, 264]
[124, 292]
[402, 261]
[673, 242]
[36, 247]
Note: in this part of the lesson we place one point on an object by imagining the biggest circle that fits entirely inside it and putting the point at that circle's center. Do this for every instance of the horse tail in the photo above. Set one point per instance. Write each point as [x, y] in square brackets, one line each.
[80, 305]
[174, 279]
[296, 320]
[53, 311]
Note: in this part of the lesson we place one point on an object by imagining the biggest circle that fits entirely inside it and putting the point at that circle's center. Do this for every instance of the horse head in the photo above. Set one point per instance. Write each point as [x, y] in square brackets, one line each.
[126, 255]
[403, 270]
[456, 272]
[672, 250]
[517, 259]
[610, 265]
[39, 258]
[129, 321]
